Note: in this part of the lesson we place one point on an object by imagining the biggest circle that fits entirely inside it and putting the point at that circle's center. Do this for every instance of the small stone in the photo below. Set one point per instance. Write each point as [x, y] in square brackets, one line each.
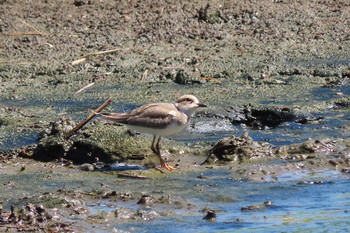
[211, 215]
[334, 163]
[201, 176]
[145, 200]
[86, 167]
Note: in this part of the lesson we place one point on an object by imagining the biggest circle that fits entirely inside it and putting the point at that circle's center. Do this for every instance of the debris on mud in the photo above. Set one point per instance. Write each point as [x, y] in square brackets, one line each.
[184, 78]
[267, 116]
[32, 217]
[238, 149]
[146, 199]
[309, 149]
[51, 144]
[342, 103]
[259, 207]
[263, 116]
[82, 148]
[211, 216]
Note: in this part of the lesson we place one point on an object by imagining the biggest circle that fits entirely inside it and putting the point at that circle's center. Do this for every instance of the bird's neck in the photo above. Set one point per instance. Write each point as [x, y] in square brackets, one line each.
[188, 112]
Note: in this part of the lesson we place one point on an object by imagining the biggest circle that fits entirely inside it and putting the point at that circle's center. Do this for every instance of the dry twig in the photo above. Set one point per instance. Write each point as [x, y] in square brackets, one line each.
[83, 88]
[173, 67]
[124, 175]
[103, 52]
[78, 61]
[209, 79]
[144, 75]
[83, 58]
[79, 126]
[37, 32]
[32, 27]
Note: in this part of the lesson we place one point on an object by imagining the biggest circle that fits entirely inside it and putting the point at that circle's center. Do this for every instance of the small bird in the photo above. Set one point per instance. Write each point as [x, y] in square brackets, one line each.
[158, 119]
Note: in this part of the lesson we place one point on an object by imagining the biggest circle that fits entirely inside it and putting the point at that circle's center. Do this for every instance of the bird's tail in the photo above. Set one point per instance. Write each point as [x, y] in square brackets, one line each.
[117, 117]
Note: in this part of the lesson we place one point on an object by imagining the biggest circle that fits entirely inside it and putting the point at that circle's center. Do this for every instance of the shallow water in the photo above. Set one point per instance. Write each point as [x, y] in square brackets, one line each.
[300, 202]
[285, 134]
[303, 200]
[307, 200]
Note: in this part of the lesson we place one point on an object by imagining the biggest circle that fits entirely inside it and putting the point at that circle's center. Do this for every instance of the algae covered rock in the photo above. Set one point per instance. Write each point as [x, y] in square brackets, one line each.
[52, 144]
[95, 142]
[81, 148]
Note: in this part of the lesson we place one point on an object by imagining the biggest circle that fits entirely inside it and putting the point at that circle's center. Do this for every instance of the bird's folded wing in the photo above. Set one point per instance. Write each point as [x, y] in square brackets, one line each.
[152, 116]
[151, 122]
[158, 115]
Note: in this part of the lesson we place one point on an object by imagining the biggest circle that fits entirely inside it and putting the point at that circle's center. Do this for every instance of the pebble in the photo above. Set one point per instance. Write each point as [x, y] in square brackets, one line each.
[86, 167]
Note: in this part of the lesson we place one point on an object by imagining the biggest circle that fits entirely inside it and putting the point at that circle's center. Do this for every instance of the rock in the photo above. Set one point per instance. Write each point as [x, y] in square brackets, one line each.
[202, 13]
[49, 149]
[266, 116]
[145, 200]
[342, 103]
[258, 207]
[145, 215]
[33, 214]
[84, 150]
[261, 117]
[309, 147]
[321, 73]
[184, 78]
[123, 213]
[81, 148]
[86, 167]
[60, 126]
[211, 215]
[240, 148]
[247, 76]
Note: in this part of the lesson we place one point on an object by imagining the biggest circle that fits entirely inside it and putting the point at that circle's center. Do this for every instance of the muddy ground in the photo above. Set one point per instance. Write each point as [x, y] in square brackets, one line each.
[245, 59]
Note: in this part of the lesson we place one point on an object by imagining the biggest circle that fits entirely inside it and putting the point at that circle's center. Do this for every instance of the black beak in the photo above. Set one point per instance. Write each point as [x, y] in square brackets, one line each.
[202, 105]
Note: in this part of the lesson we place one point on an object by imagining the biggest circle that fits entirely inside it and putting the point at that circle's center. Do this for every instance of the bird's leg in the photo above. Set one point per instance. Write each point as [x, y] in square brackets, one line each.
[152, 146]
[156, 150]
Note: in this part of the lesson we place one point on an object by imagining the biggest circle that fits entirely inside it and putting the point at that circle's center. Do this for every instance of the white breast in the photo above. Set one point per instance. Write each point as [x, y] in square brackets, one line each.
[174, 127]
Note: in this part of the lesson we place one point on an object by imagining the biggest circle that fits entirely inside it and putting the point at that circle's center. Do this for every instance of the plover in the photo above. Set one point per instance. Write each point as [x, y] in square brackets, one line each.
[158, 119]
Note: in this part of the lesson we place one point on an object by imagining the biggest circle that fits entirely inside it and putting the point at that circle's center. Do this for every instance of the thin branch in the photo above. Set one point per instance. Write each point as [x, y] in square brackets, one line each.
[144, 75]
[83, 58]
[103, 52]
[83, 88]
[79, 126]
[209, 79]
[32, 27]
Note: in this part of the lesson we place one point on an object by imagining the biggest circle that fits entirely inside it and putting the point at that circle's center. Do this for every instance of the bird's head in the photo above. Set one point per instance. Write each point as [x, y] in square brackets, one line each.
[188, 104]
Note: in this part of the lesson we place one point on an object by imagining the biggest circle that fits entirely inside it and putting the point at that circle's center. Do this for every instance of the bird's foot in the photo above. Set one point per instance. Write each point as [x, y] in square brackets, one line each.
[167, 166]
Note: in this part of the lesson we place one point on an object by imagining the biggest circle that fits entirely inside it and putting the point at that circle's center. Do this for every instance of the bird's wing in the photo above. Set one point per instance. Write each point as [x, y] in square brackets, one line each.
[152, 115]
[157, 115]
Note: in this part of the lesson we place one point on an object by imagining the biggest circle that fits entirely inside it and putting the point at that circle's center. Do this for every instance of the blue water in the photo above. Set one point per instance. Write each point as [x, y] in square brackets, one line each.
[306, 201]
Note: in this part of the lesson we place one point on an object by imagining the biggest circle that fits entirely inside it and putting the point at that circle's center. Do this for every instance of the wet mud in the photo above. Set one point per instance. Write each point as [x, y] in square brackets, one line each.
[274, 74]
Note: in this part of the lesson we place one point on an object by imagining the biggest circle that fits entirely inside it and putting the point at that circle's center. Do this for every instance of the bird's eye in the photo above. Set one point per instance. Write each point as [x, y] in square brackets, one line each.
[189, 100]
